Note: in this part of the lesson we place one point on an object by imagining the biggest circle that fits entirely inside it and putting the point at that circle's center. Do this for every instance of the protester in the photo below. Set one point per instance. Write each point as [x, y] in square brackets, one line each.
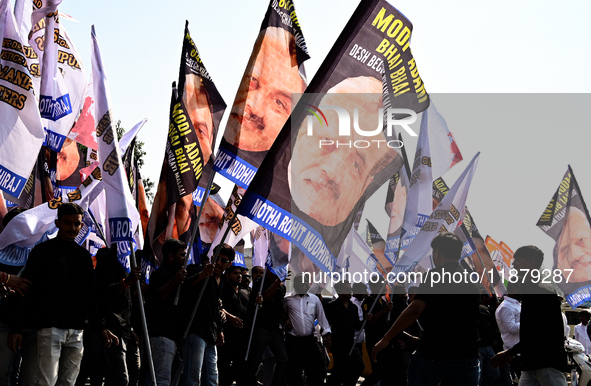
[448, 351]
[343, 317]
[489, 336]
[231, 362]
[541, 332]
[267, 332]
[162, 315]
[61, 273]
[581, 329]
[508, 316]
[205, 331]
[305, 352]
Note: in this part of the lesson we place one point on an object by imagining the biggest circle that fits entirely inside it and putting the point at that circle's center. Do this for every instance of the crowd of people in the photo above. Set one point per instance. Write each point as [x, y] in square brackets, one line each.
[67, 322]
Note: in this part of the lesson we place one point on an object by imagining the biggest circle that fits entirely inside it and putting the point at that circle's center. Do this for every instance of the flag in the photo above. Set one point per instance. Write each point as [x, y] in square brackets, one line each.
[123, 217]
[83, 131]
[260, 246]
[566, 220]
[60, 97]
[204, 105]
[194, 117]
[36, 225]
[273, 77]
[445, 218]
[419, 203]
[21, 130]
[395, 207]
[311, 194]
[356, 256]
[498, 258]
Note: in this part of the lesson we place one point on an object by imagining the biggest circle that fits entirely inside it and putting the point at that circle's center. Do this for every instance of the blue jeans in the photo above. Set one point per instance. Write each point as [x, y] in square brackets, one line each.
[429, 372]
[489, 374]
[163, 350]
[60, 353]
[198, 355]
[542, 377]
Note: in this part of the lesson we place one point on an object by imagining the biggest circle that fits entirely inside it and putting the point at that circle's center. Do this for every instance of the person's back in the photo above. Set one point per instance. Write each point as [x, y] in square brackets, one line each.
[541, 333]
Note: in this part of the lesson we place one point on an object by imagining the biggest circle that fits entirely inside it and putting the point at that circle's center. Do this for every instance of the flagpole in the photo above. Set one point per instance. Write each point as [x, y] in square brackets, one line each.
[580, 194]
[195, 229]
[205, 281]
[143, 317]
[254, 319]
[369, 312]
[471, 240]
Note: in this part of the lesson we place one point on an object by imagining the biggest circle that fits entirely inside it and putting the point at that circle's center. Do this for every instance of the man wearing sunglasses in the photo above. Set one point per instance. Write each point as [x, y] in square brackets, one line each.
[205, 332]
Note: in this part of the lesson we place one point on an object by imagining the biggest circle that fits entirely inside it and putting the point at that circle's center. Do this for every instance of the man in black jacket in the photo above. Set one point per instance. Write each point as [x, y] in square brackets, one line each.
[541, 332]
[61, 303]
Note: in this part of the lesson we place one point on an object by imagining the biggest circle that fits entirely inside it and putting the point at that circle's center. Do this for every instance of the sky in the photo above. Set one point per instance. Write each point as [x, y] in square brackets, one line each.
[510, 78]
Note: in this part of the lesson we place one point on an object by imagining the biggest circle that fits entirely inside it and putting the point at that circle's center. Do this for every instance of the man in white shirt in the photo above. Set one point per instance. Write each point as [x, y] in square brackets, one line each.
[581, 331]
[507, 316]
[304, 351]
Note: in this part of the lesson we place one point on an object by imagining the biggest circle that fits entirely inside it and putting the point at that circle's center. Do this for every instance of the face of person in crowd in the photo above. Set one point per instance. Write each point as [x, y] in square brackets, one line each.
[69, 226]
[327, 181]
[221, 264]
[263, 101]
[257, 272]
[396, 208]
[345, 291]
[197, 104]
[210, 220]
[235, 276]
[178, 258]
[301, 284]
[584, 319]
[574, 247]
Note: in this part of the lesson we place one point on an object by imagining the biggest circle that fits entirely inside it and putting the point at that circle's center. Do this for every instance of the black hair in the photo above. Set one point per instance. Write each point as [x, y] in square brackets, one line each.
[172, 246]
[11, 214]
[449, 245]
[69, 208]
[530, 252]
[225, 250]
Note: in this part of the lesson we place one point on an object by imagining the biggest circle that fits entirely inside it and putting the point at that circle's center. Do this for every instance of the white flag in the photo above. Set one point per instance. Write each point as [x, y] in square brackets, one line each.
[21, 130]
[445, 218]
[121, 211]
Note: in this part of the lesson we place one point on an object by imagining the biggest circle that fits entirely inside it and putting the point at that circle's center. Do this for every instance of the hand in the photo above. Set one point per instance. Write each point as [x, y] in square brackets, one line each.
[501, 358]
[109, 338]
[180, 276]
[389, 306]
[19, 284]
[207, 271]
[236, 321]
[368, 317]
[14, 342]
[382, 344]
[134, 276]
[327, 340]
[220, 340]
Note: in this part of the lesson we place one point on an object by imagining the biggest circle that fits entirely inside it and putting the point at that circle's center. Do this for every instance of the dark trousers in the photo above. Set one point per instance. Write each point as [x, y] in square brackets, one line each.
[231, 363]
[346, 368]
[261, 339]
[389, 369]
[305, 355]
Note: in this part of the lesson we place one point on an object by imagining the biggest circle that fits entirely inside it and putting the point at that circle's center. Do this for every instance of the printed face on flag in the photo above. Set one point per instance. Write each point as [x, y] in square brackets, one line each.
[263, 101]
[210, 220]
[330, 172]
[573, 248]
[197, 104]
[395, 208]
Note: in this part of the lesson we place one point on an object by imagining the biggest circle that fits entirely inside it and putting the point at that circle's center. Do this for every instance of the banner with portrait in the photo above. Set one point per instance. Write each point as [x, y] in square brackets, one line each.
[21, 129]
[263, 102]
[309, 190]
[566, 220]
[196, 109]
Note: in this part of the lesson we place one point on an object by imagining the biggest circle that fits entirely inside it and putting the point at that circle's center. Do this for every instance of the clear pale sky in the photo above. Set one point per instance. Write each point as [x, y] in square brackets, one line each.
[501, 48]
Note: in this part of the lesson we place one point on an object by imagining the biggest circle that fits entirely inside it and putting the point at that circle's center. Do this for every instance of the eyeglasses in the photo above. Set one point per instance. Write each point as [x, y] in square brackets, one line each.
[223, 260]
